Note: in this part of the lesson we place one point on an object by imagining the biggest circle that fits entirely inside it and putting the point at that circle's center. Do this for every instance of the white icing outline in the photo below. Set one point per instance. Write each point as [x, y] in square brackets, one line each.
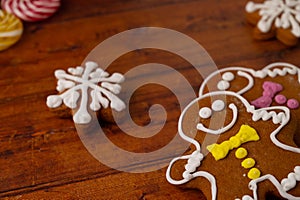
[275, 182]
[281, 13]
[241, 69]
[250, 84]
[82, 80]
[280, 69]
[291, 180]
[234, 109]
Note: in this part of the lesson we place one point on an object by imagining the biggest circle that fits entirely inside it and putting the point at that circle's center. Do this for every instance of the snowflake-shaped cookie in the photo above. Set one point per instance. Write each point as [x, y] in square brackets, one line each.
[87, 83]
[278, 18]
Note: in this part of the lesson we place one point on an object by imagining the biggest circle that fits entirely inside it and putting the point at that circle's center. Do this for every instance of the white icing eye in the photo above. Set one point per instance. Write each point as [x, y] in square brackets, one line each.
[228, 76]
[223, 85]
[205, 112]
[218, 105]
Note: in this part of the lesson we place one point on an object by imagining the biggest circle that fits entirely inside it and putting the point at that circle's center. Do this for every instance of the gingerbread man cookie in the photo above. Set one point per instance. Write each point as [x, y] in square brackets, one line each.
[245, 140]
[275, 18]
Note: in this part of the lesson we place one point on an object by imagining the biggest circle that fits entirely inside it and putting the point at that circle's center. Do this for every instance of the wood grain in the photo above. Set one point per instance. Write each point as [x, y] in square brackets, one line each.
[41, 155]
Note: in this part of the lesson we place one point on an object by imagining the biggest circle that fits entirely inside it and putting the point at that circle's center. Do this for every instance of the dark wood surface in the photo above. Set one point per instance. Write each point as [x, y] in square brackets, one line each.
[42, 156]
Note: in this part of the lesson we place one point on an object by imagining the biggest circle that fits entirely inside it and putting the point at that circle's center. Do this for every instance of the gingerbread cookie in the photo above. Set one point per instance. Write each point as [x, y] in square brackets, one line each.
[86, 89]
[244, 134]
[275, 18]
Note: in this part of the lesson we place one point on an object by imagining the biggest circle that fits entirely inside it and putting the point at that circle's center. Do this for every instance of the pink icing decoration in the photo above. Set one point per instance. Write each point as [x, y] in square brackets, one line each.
[271, 88]
[262, 102]
[280, 99]
[292, 103]
[268, 93]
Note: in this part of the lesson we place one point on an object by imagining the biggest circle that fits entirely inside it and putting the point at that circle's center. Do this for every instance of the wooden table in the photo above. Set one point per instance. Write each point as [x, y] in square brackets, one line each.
[42, 156]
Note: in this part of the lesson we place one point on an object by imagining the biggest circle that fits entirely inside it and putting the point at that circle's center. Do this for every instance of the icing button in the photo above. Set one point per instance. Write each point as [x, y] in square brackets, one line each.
[293, 103]
[11, 29]
[205, 113]
[228, 76]
[218, 105]
[253, 173]
[31, 10]
[280, 99]
[248, 163]
[241, 153]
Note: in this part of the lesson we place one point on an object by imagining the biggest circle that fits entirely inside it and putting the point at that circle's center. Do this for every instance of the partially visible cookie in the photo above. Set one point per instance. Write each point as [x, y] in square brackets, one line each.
[83, 90]
[244, 135]
[275, 18]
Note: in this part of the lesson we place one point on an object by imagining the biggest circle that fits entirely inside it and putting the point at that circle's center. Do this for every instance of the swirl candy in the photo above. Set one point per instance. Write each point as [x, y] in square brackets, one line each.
[31, 10]
[11, 29]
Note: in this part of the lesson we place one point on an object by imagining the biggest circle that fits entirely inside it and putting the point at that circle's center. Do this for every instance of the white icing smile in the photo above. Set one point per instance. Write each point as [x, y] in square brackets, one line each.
[234, 109]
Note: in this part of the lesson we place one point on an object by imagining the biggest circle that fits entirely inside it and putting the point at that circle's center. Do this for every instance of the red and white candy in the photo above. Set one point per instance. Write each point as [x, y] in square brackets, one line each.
[31, 10]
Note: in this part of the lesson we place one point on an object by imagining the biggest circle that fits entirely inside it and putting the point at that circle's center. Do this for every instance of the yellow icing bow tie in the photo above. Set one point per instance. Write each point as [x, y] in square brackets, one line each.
[245, 134]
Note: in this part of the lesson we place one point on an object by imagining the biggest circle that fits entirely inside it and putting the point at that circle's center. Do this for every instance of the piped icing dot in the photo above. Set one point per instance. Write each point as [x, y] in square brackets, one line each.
[205, 112]
[292, 103]
[248, 163]
[241, 153]
[228, 76]
[223, 85]
[218, 105]
[254, 173]
[280, 99]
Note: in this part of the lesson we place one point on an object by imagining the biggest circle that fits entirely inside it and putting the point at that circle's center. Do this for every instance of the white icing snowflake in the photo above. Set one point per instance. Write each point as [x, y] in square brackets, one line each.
[283, 13]
[84, 82]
